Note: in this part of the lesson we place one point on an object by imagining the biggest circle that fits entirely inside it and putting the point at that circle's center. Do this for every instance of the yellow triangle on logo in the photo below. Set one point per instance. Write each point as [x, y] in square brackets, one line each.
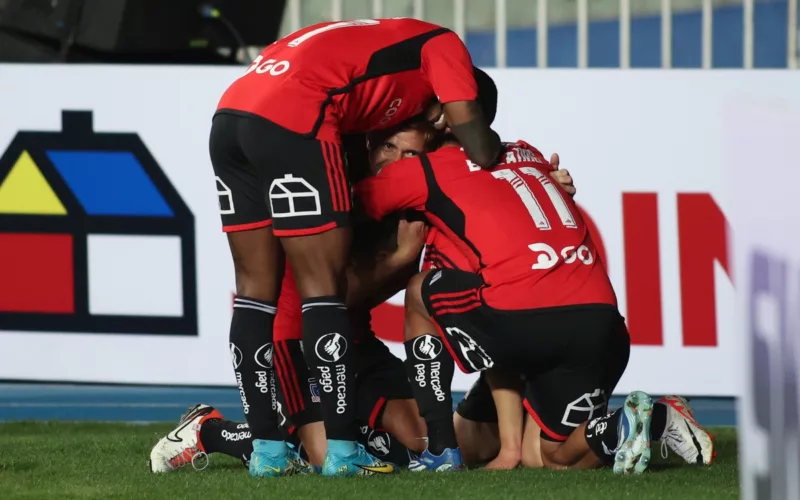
[26, 191]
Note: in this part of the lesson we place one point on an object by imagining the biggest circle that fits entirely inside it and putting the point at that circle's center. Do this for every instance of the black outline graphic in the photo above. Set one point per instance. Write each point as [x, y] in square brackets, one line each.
[78, 135]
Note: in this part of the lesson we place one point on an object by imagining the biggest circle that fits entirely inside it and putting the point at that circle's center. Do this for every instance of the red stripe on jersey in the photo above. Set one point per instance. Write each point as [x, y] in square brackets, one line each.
[448, 295]
[376, 411]
[337, 181]
[458, 310]
[329, 170]
[453, 302]
[340, 172]
[284, 377]
[295, 383]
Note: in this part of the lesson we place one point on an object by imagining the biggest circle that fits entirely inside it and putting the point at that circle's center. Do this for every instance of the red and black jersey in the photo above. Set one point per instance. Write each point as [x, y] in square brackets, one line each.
[442, 253]
[514, 224]
[354, 76]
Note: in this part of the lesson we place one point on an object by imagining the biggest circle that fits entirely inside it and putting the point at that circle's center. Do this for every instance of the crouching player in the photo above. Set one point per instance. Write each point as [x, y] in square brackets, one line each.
[540, 305]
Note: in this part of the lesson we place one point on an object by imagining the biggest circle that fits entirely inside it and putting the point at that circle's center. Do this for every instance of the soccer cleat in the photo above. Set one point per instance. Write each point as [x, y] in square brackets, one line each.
[182, 445]
[276, 458]
[633, 450]
[359, 463]
[448, 461]
[683, 435]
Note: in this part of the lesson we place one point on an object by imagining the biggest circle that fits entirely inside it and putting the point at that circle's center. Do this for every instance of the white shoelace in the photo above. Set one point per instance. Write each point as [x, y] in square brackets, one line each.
[672, 439]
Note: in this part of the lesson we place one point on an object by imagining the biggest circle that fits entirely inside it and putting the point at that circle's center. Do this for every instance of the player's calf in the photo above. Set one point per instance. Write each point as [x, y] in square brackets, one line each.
[430, 370]
[401, 419]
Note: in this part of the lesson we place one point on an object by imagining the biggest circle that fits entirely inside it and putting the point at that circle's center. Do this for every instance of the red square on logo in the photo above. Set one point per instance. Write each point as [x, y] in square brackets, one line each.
[36, 273]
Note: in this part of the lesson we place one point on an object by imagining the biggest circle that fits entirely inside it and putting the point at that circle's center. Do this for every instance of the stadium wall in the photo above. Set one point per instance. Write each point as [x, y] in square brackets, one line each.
[113, 267]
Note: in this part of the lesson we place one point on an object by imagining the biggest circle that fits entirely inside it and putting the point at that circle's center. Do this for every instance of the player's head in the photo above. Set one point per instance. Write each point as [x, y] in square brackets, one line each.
[411, 138]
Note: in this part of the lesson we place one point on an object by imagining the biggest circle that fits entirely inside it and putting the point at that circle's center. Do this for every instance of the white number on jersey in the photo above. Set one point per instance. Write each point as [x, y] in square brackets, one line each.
[531, 202]
[335, 26]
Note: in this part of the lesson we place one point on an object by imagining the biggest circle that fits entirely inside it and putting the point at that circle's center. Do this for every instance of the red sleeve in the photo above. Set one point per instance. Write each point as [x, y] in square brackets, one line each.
[398, 186]
[448, 66]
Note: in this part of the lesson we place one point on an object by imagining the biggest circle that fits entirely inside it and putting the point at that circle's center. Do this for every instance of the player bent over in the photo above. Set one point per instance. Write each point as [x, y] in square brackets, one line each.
[276, 149]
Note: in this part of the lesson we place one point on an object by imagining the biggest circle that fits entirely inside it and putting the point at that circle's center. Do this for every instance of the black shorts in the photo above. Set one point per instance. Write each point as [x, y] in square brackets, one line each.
[380, 377]
[570, 358]
[270, 176]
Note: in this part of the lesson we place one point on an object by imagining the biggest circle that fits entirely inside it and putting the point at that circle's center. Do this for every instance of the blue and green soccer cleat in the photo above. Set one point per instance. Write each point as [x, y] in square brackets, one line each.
[633, 451]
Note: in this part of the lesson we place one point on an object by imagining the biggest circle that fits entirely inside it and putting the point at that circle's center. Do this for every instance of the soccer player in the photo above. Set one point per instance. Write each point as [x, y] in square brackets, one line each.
[541, 305]
[276, 150]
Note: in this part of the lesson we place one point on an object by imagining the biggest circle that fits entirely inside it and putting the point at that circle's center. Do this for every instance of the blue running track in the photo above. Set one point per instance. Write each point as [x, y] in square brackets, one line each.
[165, 404]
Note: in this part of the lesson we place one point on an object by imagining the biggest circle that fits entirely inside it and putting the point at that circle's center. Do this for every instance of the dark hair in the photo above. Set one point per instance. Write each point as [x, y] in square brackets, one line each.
[487, 94]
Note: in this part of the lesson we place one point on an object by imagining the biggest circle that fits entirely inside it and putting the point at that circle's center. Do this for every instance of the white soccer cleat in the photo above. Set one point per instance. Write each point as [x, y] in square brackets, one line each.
[182, 445]
[683, 435]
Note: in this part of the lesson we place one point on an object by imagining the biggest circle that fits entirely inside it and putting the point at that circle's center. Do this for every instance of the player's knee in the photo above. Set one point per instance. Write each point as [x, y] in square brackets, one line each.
[319, 262]
[401, 418]
[413, 299]
[257, 264]
[414, 289]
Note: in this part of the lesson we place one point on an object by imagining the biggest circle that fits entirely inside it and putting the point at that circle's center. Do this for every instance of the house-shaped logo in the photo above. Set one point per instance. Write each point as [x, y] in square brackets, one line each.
[93, 236]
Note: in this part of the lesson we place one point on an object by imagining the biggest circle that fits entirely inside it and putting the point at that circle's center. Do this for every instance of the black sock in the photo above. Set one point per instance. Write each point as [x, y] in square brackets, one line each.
[658, 424]
[602, 435]
[252, 357]
[231, 438]
[430, 370]
[330, 354]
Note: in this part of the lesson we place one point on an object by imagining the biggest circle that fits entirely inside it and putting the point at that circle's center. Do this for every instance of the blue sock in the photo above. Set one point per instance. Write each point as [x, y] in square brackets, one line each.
[339, 447]
[275, 448]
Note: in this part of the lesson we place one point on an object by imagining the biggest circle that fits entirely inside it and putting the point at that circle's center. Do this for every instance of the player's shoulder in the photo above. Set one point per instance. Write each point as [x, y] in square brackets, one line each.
[447, 153]
[400, 168]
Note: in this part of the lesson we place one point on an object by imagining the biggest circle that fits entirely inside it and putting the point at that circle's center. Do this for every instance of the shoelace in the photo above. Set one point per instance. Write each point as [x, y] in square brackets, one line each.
[180, 459]
[672, 439]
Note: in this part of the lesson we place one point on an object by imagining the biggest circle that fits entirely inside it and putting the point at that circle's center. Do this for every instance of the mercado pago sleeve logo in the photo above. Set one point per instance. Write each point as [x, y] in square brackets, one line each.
[93, 236]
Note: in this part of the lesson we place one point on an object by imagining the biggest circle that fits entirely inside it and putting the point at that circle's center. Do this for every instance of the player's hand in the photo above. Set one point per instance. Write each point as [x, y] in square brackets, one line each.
[435, 116]
[562, 176]
[410, 240]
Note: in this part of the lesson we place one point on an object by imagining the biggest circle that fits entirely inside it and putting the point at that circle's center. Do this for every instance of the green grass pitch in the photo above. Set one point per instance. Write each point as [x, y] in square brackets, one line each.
[109, 461]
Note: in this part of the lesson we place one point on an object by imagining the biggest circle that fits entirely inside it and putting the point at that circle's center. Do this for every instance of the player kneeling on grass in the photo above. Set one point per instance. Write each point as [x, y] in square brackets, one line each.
[541, 305]
[481, 439]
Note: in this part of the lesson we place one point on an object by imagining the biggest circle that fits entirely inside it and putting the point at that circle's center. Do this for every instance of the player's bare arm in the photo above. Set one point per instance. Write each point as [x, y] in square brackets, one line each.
[367, 280]
[507, 396]
[468, 123]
